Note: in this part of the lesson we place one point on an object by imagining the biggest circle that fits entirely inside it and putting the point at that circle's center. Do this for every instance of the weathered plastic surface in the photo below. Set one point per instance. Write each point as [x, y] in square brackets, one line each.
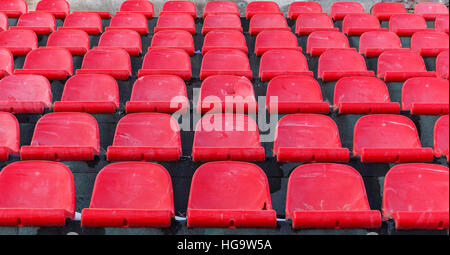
[146, 137]
[442, 64]
[9, 135]
[58, 8]
[298, 8]
[102, 14]
[320, 41]
[430, 10]
[440, 137]
[132, 21]
[283, 62]
[111, 61]
[337, 63]
[6, 62]
[388, 138]
[221, 22]
[142, 7]
[275, 39]
[41, 23]
[131, 194]
[177, 39]
[177, 7]
[429, 43]
[261, 7]
[220, 7]
[339, 10]
[308, 138]
[129, 40]
[441, 23]
[373, 43]
[19, 42]
[332, 196]
[167, 62]
[384, 10]
[64, 136]
[407, 24]
[230, 194]
[416, 196]
[227, 62]
[89, 22]
[228, 39]
[357, 24]
[3, 22]
[308, 23]
[13, 8]
[175, 21]
[261, 22]
[425, 96]
[76, 41]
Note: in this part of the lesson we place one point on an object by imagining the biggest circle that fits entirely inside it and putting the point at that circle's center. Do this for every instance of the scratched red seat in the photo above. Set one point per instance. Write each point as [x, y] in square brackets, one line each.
[276, 39]
[224, 61]
[9, 136]
[129, 40]
[75, 41]
[230, 194]
[25, 94]
[227, 39]
[13, 8]
[177, 7]
[91, 93]
[388, 138]
[384, 10]
[131, 194]
[425, 96]
[407, 24]
[177, 39]
[400, 65]
[227, 137]
[58, 8]
[357, 24]
[112, 61]
[89, 22]
[339, 10]
[429, 43]
[441, 23]
[102, 14]
[36, 193]
[308, 23]
[261, 22]
[167, 62]
[175, 21]
[440, 137]
[132, 21]
[220, 7]
[158, 93]
[363, 95]
[3, 22]
[42, 23]
[227, 93]
[308, 138]
[137, 6]
[373, 43]
[282, 62]
[332, 196]
[442, 65]
[261, 7]
[146, 137]
[430, 10]
[6, 62]
[53, 63]
[19, 42]
[63, 136]
[221, 22]
[298, 8]
[415, 196]
[337, 63]
[295, 94]
[320, 41]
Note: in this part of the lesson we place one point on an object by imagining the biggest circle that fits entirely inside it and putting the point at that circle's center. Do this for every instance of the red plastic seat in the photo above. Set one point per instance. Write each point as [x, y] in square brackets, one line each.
[298, 8]
[75, 41]
[102, 14]
[25, 94]
[220, 7]
[158, 93]
[53, 63]
[19, 42]
[429, 43]
[6, 62]
[339, 10]
[131, 194]
[400, 65]
[146, 137]
[112, 61]
[227, 137]
[89, 22]
[132, 21]
[228, 39]
[308, 138]
[441, 23]
[416, 196]
[320, 41]
[221, 22]
[373, 43]
[384, 10]
[388, 138]
[128, 40]
[228, 62]
[425, 96]
[36, 193]
[3, 22]
[332, 196]
[357, 24]
[13, 8]
[295, 94]
[58, 8]
[167, 61]
[176, 39]
[261, 22]
[407, 24]
[230, 194]
[137, 6]
[9, 135]
[442, 64]
[430, 10]
[175, 21]
[91, 93]
[179, 7]
[227, 93]
[308, 23]
[282, 62]
[440, 140]
[261, 7]
[41, 23]
[363, 95]
[276, 39]
[338, 63]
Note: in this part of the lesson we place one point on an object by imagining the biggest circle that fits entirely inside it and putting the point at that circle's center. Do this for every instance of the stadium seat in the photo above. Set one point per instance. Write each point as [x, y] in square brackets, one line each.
[425, 96]
[91, 93]
[416, 196]
[64, 136]
[337, 63]
[13, 8]
[339, 10]
[102, 14]
[363, 95]
[36, 193]
[41, 23]
[177, 39]
[407, 24]
[9, 136]
[112, 61]
[275, 39]
[6, 62]
[295, 94]
[230, 194]
[168, 62]
[3, 22]
[442, 65]
[261, 22]
[25, 94]
[58, 8]
[129, 40]
[220, 7]
[329, 196]
[175, 21]
[298, 8]
[132, 21]
[308, 138]
[320, 41]
[221, 22]
[89, 22]
[357, 24]
[131, 195]
[441, 23]
[440, 137]
[227, 40]
[224, 61]
[158, 93]
[384, 10]
[373, 43]
[146, 137]
[308, 23]
[429, 43]
[282, 62]
[227, 137]
[430, 10]
[388, 138]
[261, 7]
[137, 6]
[179, 7]
[19, 42]
[75, 41]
